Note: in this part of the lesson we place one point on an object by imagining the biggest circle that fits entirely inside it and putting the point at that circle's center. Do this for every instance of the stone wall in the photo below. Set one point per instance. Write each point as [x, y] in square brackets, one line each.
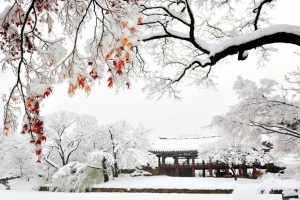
[155, 190]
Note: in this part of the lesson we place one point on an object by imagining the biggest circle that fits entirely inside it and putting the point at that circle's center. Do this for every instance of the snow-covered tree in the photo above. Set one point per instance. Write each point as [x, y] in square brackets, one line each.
[233, 152]
[74, 138]
[17, 158]
[70, 137]
[204, 31]
[128, 145]
[264, 109]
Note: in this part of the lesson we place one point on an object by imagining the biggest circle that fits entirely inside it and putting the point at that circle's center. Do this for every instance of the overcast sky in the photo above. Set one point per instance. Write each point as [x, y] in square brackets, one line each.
[169, 117]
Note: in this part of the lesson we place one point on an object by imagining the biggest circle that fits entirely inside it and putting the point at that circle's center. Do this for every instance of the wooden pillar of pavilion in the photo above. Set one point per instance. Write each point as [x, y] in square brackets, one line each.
[203, 170]
[193, 171]
[227, 171]
[210, 171]
[245, 172]
[193, 160]
[188, 160]
[176, 172]
[158, 160]
[162, 170]
[240, 172]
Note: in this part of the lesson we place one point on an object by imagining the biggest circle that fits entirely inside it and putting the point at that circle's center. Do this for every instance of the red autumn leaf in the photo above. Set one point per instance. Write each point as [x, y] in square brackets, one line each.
[120, 64]
[119, 71]
[128, 85]
[43, 138]
[25, 127]
[36, 107]
[32, 141]
[94, 74]
[38, 151]
[17, 10]
[110, 84]
[48, 92]
[90, 63]
[38, 142]
[38, 127]
[28, 105]
[38, 161]
[109, 79]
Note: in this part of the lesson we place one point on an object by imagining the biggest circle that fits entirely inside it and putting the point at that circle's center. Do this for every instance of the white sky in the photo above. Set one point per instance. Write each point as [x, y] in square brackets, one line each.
[169, 117]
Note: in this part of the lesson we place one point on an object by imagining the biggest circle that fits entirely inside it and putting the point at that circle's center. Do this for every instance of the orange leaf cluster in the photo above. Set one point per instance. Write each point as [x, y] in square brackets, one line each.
[72, 89]
[81, 81]
[139, 20]
[87, 89]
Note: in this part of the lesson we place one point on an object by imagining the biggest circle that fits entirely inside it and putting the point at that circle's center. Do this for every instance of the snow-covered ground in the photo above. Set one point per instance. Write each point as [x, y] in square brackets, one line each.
[243, 189]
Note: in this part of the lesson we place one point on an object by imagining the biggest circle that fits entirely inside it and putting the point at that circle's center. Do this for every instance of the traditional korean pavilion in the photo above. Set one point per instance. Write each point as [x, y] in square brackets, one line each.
[185, 163]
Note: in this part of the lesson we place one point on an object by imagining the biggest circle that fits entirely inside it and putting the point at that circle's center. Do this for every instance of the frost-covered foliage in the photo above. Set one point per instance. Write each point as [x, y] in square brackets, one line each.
[234, 152]
[265, 109]
[70, 137]
[17, 158]
[75, 177]
[96, 157]
[128, 145]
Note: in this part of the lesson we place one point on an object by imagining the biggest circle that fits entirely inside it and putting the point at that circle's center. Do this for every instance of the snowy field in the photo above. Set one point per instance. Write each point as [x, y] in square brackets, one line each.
[243, 189]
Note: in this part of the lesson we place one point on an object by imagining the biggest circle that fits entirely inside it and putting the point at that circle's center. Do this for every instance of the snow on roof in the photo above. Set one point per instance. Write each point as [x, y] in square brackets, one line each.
[181, 143]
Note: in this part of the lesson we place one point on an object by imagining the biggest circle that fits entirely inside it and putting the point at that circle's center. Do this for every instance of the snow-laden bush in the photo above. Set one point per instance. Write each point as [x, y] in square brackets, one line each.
[75, 177]
[139, 172]
[291, 171]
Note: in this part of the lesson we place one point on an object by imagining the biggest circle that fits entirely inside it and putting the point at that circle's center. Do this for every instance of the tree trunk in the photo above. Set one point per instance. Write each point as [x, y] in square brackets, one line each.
[116, 167]
[234, 174]
[105, 174]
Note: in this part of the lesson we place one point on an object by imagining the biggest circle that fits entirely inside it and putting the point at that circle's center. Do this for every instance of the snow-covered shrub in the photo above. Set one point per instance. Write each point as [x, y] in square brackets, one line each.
[76, 177]
[291, 171]
[139, 172]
